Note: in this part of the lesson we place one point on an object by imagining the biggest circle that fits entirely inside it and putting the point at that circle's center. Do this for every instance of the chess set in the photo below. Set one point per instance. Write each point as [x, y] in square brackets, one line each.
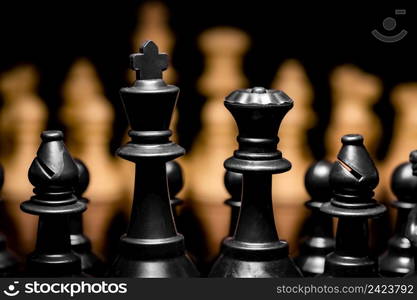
[250, 187]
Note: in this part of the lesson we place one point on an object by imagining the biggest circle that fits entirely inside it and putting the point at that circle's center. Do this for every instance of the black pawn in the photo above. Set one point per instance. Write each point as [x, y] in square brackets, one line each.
[53, 173]
[90, 264]
[152, 247]
[175, 184]
[398, 260]
[319, 239]
[353, 178]
[233, 184]
[411, 228]
[255, 249]
[8, 262]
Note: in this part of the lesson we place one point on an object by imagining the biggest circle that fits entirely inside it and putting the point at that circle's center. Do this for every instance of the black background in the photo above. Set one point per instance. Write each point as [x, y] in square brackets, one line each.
[322, 36]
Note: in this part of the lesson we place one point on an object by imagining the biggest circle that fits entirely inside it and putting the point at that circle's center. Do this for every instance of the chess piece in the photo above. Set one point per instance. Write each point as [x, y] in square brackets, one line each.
[319, 240]
[53, 173]
[152, 24]
[152, 247]
[174, 177]
[398, 260]
[175, 184]
[255, 249]
[233, 184]
[354, 93]
[88, 117]
[404, 136]
[224, 48]
[288, 191]
[353, 178]
[90, 264]
[22, 120]
[8, 261]
[411, 228]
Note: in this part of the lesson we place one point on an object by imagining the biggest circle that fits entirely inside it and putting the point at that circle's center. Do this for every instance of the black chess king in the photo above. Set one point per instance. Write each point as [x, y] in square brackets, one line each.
[152, 247]
[255, 249]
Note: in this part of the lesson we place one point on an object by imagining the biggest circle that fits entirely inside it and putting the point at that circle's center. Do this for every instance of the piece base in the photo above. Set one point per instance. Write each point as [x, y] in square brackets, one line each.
[172, 267]
[342, 266]
[43, 265]
[250, 260]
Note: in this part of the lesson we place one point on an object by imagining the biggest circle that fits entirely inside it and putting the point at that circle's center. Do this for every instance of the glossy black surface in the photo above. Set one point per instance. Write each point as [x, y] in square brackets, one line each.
[319, 240]
[233, 184]
[152, 247]
[175, 184]
[411, 228]
[352, 178]
[255, 249]
[398, 259]
[53, 174]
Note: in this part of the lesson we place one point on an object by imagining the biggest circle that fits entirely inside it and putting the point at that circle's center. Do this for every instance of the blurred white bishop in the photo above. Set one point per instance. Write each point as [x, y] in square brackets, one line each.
[288, 190]
[88, 117]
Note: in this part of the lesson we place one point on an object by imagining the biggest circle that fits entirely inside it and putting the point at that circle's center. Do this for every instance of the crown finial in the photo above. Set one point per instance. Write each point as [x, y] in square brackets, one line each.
[149, 63]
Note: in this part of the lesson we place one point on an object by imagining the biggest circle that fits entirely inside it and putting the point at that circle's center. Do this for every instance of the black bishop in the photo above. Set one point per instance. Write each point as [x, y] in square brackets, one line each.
[54, 174]
[353, 178]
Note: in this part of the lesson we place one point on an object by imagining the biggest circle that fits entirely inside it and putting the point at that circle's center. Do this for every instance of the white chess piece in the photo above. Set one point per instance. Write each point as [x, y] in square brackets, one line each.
[88, 117]
[288, 190]
[354, 93]
[223, 48]
[23, 118]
